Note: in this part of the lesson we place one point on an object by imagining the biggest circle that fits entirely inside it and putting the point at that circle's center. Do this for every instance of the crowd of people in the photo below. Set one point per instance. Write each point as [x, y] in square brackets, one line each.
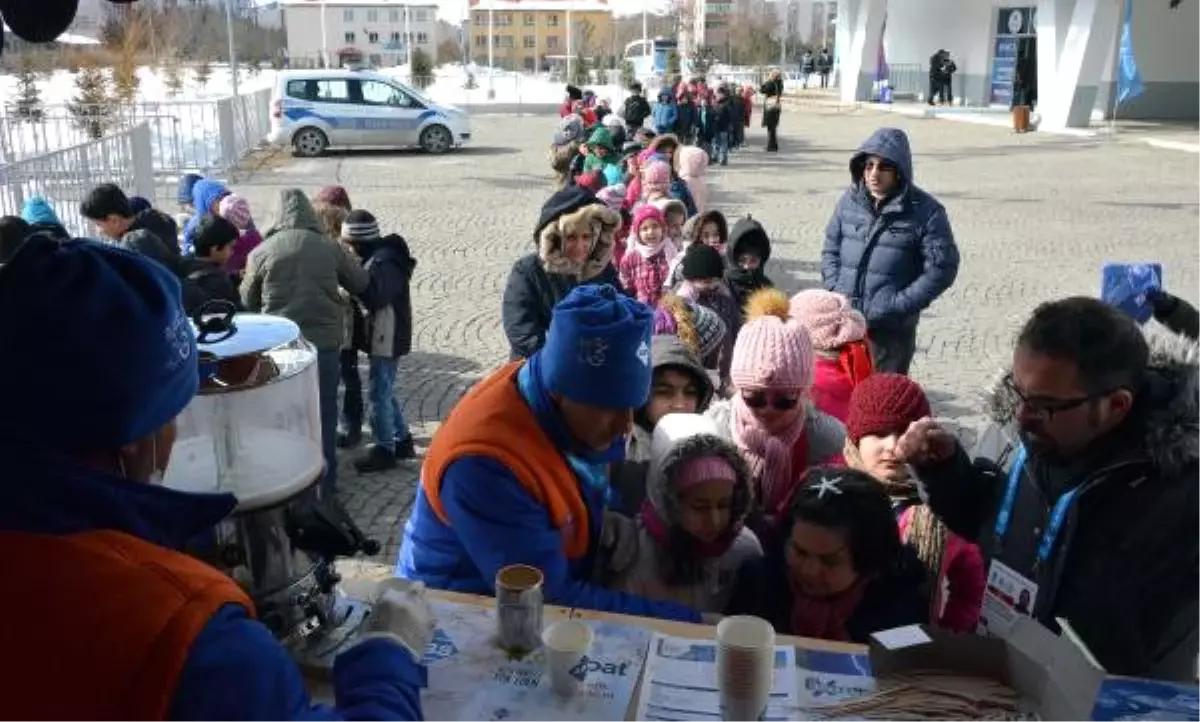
[673, 436]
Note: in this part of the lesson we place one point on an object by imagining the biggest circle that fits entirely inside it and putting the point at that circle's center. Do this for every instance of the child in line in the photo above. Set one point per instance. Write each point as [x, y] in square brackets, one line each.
[645, 265]
[665, 113]
[206, 198]
[656, 181]
[700, 328]
[614, 198]
[704, 283]
[236, 210]
[676, 216]
[385, 336]
[723, 120]
[688, 543]
[747, 253]
[204, 275]
[707, 228]
[602, 155]
[839, 336]
[693, 170]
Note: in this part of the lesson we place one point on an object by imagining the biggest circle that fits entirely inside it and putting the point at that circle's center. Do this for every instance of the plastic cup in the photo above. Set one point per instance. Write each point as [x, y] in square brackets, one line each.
[567, 645]
[745, 667]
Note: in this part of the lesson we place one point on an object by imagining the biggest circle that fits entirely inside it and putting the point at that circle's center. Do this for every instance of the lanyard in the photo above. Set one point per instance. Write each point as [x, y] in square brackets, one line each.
[1057, 517]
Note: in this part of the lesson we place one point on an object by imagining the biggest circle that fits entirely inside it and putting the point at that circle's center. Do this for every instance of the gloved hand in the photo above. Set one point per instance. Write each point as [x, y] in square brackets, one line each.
[400, 612]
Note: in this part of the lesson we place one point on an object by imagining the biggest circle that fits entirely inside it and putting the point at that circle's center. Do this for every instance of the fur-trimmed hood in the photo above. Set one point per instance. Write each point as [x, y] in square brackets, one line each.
[678, 438]
[1166, 408]
[603, 222]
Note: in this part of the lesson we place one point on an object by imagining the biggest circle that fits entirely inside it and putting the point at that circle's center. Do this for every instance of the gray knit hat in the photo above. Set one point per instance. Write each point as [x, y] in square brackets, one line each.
[360, 225]
[710, 329]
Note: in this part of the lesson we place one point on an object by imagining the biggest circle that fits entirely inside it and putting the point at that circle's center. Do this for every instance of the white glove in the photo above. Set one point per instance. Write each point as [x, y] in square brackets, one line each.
[400, 612]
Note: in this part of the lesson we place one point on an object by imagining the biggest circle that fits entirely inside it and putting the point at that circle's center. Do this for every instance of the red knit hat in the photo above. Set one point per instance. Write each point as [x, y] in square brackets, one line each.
[883, 404]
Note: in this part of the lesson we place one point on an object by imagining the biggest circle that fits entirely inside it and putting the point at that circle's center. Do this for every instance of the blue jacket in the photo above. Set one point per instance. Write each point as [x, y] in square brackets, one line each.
[495, 522]
[895, 260]
[665, 112]
[680, 192]
[236, 668]
[204, 193]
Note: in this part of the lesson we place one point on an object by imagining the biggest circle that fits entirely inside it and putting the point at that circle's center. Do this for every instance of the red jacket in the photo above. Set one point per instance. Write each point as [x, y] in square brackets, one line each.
[960, 581]
[834, 379]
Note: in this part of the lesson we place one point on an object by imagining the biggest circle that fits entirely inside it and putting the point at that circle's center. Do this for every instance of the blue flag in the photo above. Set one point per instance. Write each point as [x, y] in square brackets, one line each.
[1129, 80]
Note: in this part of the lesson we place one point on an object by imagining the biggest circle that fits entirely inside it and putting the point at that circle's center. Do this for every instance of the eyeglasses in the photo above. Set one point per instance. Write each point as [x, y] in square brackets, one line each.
[1045, 408]
[761, 399]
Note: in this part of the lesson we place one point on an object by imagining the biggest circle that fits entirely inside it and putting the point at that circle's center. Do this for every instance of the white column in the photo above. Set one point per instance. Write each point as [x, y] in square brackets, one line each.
[1068, 99]
[408, 44]
[570, 52]
[324, 39]
[846, 13]
[858, 65]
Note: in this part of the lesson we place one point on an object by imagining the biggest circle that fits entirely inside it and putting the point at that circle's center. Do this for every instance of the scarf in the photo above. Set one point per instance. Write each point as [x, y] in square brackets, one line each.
[825, 618]
[854, 360]
[769, 457]
[648, 251]
[696, 549]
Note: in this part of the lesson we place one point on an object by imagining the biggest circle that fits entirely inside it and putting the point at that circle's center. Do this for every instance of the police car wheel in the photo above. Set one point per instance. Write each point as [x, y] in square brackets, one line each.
[436, 139]
[309, 143]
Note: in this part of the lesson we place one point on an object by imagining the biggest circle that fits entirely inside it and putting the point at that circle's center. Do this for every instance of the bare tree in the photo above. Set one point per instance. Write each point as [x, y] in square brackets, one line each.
[127, 52]
[449, 51]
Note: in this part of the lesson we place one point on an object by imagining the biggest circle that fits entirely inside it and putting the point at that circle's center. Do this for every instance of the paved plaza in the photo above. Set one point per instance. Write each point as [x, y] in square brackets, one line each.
[1035, 217]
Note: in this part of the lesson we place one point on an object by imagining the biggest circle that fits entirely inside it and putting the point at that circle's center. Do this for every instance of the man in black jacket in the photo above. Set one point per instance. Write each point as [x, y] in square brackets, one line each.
[636, 109]
[1088, 498]
[151, 232]
[204, 273]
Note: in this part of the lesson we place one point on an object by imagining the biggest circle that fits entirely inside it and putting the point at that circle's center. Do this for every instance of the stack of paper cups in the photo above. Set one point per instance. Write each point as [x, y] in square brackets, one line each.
[567, 645]
[745, 667]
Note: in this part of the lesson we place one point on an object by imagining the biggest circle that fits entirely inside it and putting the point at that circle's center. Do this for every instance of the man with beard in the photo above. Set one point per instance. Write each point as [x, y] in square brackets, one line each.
[1090, 507]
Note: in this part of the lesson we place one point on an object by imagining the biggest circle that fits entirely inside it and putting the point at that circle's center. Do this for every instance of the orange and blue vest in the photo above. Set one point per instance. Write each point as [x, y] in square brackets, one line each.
[99, 624]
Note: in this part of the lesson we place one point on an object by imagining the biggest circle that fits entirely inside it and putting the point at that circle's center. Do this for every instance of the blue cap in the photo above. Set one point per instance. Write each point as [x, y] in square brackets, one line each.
[101, 353]
[38, 210]
[597, 349]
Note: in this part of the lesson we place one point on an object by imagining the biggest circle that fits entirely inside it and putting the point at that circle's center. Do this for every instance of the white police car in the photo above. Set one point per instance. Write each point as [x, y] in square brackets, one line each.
[312, 110]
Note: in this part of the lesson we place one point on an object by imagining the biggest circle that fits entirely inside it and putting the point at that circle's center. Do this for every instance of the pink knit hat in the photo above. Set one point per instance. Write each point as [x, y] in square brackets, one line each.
[830, 320]
[705, 468]
[656, 175]
[645, 213]
[236, 210]
[771, 353]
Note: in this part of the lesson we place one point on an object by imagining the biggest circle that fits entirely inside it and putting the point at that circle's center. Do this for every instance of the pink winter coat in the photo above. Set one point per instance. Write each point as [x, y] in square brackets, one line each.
[246, 242]
[960, 581]
[693, 169]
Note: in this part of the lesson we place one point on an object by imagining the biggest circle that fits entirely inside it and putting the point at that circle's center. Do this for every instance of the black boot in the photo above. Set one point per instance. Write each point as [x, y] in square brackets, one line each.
[377, 458]
[405, 449]
[349, 439]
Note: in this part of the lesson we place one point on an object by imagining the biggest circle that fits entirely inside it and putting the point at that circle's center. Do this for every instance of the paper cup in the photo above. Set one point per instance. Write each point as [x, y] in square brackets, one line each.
[519, 609]
[745, 667]
[567, 645]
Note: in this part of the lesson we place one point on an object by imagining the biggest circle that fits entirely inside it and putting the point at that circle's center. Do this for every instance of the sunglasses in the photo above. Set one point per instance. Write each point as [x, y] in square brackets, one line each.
[760, 400]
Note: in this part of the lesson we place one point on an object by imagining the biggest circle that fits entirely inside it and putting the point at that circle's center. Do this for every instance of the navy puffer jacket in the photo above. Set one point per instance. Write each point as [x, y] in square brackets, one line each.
[894, 261]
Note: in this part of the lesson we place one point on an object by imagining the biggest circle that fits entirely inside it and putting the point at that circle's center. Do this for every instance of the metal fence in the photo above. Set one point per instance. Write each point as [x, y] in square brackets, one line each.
[64, 176]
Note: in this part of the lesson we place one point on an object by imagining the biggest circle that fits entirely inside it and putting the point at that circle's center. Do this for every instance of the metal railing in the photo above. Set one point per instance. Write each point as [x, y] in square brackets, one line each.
[64, 176]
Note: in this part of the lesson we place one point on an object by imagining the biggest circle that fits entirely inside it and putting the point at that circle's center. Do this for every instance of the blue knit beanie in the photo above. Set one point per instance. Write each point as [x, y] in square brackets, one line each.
[597, 350]
[38, 210]
[183, 192]
[100, 354]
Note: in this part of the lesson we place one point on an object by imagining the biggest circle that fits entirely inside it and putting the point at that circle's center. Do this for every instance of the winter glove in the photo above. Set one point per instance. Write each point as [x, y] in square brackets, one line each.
[400, 612]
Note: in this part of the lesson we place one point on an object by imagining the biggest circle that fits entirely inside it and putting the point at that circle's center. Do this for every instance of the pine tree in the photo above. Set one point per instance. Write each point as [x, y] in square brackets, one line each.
[579, 70]
[627, 76]
[91, 105]
[202, 71]
[422, 69]
[29, 99]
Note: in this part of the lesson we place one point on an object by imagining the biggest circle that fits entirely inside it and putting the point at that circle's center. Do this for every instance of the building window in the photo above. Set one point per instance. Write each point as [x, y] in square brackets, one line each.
[530, 20]
[552, 42]
[504, 19]
[420, 16]
[347, 16]
[506, 41]
[529, 42]
[372, 16]
[393, 16]
[480, 41]
[530, 64]
[372, 37]
[552, 20]
[348, 37]
[422, 38]
[395, 37]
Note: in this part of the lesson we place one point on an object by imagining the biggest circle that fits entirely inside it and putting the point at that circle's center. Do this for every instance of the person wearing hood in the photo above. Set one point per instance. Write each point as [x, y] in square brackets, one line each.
[126, 624]
[518, 473]
[746, 257]
[40, 215]
[771, 417]
[1084, 492]
[614, 125]
[574, 239]
[206, 198]
[888, 247]
[295, 273]
[150, 233]
[688, 543]
[566, 158]
[678, 385]
[691, 164]
[602, 156]
[183, 192]
[882, 408]
[384, 335]
[665, 115]
[839, 336]
[838, 570]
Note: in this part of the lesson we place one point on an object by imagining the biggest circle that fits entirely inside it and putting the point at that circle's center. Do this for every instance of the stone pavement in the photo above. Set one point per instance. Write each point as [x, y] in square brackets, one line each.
[1034, 216]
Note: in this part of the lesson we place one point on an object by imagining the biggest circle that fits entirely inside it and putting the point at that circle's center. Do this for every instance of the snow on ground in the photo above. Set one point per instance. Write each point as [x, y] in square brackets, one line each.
[505, 86]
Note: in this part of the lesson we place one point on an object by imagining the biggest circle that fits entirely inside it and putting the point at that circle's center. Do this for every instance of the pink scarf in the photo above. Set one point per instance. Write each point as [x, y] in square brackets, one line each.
[770, 457]
[825, 618]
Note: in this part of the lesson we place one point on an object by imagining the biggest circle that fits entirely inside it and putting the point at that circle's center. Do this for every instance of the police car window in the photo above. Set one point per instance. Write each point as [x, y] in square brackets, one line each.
[377, 93]
[333, 91]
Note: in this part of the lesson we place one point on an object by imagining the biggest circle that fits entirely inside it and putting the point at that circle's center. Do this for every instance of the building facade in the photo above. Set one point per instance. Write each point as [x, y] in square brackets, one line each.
[369, 30]
[535, 35]
[1074, 46]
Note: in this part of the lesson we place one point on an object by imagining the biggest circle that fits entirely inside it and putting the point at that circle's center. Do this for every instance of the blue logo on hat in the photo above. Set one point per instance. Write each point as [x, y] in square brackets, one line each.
[593, 351]
[178, 335]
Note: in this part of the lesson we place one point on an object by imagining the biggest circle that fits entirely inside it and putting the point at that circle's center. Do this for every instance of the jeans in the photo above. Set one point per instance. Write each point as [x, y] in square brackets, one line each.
[329, 368]
[892, 349]
[720, 147]
[352, 400]
[387, 421]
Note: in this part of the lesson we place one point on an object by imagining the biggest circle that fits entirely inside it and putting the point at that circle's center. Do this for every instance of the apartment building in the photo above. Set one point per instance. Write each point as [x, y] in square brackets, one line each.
[532, 35]
[368, 30]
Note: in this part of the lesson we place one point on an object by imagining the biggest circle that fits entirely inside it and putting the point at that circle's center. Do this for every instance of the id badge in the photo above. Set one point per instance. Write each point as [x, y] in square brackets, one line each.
[1006, 597]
